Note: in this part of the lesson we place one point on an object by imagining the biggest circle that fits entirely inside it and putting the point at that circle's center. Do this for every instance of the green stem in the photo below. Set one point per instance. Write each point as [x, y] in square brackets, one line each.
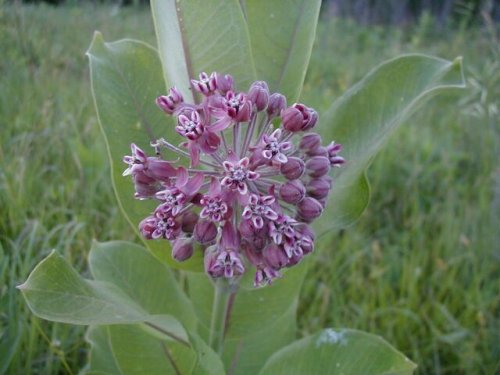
[219, 311]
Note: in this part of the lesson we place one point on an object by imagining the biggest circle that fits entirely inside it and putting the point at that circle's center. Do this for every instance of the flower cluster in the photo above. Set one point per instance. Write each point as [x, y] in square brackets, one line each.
[257, 178]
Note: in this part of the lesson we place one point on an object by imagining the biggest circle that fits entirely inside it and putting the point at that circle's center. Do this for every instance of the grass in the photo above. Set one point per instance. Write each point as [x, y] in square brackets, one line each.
[419, 268]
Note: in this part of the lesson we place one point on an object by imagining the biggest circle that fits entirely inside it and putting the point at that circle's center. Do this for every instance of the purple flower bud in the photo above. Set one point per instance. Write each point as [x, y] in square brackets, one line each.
[333, 149]
[319, 187]
[309, 209]
[298, 117]
[223, 83]
[160, 169]
[275, 256]
[310, 141]
[169, 103]
[247, 230]
[145, 186]
[182, 249]
[277, 103]
[318, 151]
[256, 236]
[292, 119]
[293, 168]
[317, 166]
[205, 232]
[253, 254]
[259, 95]
[189, 220]
[292, 191]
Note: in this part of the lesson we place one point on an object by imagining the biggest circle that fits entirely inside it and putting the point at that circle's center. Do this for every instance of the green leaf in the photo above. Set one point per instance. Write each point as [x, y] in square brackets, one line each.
[262, 320]
[142, 278]
[126, 79]
[345, 351]
[54, 291]
[196, 36]
[137, 352]
[101, 356]
[131, 286]
[134, 351]
[367, 114]
[282, 35]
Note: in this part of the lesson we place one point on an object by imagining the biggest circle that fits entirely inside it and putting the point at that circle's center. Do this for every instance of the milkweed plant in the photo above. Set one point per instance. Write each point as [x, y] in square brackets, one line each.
[229, 179]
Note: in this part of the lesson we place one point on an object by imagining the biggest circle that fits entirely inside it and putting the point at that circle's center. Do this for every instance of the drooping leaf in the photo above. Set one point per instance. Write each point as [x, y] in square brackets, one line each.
[262, 320]
[126, 79]
[196, 36]
[367, 114]
[282, 35]
[55, 291]
[126, 306]
[345, 351]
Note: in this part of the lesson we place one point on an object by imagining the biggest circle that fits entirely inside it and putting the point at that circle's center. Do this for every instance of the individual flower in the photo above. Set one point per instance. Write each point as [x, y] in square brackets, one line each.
[259, 209]
[273, 148]
[238, 175]
[254, 178]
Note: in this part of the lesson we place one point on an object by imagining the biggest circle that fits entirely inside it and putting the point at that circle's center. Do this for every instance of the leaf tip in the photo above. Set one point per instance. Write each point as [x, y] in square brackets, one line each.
[97, 39]
[458, 61]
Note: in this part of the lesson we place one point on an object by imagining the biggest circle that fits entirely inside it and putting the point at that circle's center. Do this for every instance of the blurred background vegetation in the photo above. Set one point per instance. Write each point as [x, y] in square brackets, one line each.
[420, 268]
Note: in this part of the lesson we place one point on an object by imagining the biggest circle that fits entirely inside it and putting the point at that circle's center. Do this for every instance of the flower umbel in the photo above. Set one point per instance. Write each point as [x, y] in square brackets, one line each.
[258, 177]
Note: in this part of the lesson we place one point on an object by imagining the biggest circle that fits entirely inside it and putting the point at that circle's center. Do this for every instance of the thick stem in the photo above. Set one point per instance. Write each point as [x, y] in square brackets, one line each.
[219, 312]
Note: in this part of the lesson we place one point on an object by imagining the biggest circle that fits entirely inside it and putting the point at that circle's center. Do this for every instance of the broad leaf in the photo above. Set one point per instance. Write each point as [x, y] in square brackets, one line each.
[146, 281]
[346, 352]
[282, 35]
[262, 320]
[130, 286]
[137, 352]
[196, 36]
[55, 291]
[367, 114]
[126, 79]
[128, 349]
[101, 354]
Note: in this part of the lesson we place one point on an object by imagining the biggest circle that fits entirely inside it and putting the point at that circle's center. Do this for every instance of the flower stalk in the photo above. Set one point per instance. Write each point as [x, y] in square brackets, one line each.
[220, 310]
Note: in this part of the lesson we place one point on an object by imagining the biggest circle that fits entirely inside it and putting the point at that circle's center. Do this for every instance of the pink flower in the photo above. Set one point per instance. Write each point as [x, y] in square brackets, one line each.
[206, 85]
[274, 149]
[171, 102]
[237, 175]
[257, 176]
[190, 127]
[230, 109]
[259, 209]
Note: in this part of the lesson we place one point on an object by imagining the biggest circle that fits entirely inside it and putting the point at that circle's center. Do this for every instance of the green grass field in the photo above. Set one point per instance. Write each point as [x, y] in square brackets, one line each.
[420, 268]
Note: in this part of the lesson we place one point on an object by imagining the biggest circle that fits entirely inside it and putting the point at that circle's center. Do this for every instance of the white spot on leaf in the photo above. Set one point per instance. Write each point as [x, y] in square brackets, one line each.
[329, 336]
